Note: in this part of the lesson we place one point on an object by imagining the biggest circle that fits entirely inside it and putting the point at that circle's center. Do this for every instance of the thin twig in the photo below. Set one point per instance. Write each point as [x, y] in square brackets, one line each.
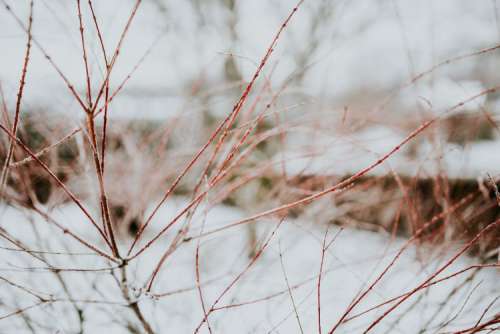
[5, 169]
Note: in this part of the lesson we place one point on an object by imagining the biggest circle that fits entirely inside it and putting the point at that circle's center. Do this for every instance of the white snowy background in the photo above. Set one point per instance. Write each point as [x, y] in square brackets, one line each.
[349, 54]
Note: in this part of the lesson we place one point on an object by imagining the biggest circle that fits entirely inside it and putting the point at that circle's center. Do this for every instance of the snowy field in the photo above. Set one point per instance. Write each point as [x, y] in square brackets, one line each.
[277, 294]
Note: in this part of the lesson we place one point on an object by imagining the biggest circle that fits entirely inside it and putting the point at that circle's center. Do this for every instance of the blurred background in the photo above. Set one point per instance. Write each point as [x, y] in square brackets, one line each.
[345, 85]
[333, 70]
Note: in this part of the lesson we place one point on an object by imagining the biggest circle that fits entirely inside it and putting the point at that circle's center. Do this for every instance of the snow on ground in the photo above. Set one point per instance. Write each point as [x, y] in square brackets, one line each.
[353, 260]
[344, 154]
